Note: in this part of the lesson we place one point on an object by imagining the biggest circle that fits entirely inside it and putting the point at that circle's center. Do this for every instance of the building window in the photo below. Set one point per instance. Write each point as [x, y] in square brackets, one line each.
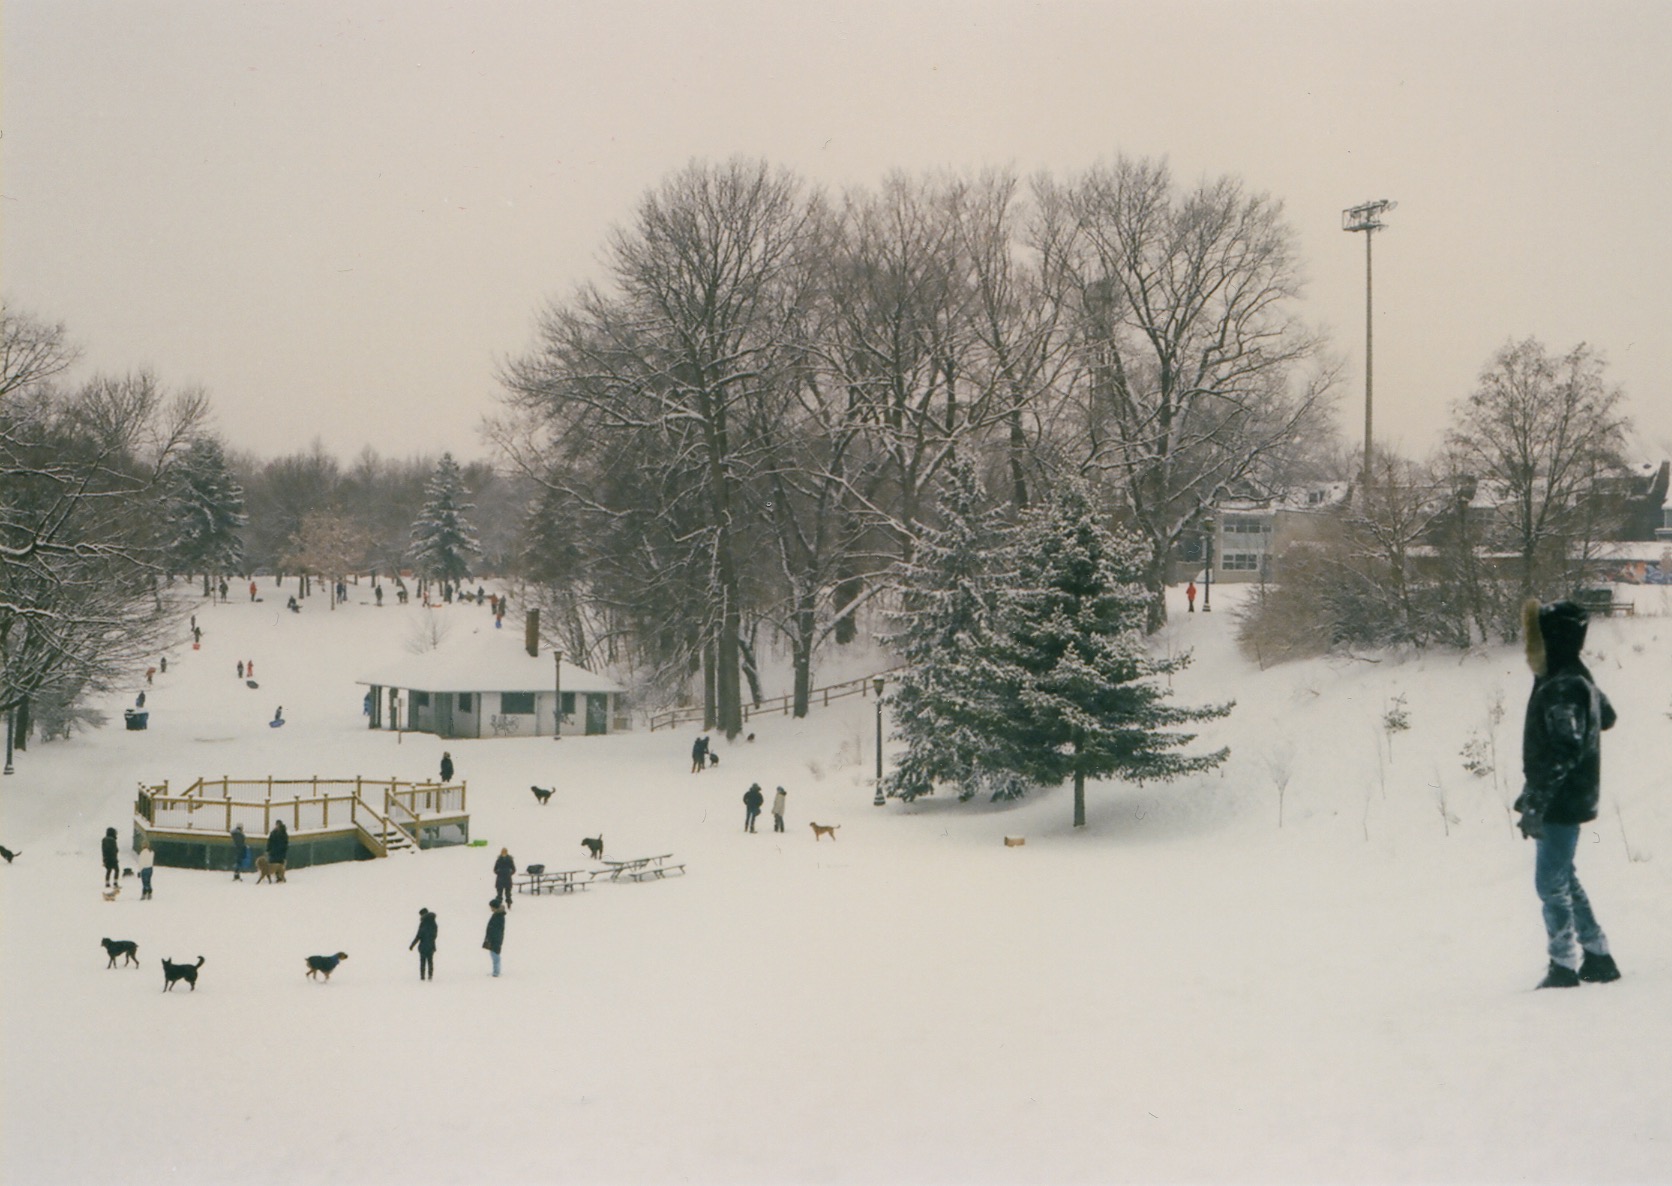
[1240, 562]
[1245, 525]
[465, 702]
[568, 704]
[420, 700]
[517, 703]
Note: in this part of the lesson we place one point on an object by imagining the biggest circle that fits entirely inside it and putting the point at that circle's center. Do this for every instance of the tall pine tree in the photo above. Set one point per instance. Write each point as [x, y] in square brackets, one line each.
[947, 706]
[443, 541]
[1087, 704]
[204, 508]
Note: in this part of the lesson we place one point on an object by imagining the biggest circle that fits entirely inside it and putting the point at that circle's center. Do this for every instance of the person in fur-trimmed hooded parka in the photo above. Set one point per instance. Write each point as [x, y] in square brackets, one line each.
[1561, 760]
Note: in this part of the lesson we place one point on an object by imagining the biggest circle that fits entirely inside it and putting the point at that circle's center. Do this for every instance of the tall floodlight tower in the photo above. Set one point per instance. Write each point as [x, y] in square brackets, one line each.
[1367, 218]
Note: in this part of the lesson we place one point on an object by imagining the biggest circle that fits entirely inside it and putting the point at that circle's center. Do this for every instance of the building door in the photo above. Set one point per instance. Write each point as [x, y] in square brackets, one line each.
[597, 713]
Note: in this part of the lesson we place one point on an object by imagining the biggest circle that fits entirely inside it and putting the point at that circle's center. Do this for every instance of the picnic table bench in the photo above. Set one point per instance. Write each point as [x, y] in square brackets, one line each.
[643, 868]
[553, 881]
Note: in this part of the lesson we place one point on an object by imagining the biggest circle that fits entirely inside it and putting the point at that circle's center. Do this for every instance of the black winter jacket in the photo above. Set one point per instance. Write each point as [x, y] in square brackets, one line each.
[424, 940]
[278, 844]
[504, 868]
[107, 847]
[1561, 743]
[495, 938]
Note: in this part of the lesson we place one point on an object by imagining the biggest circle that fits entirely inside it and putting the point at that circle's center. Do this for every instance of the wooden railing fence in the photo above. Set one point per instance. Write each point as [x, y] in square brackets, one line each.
[674, 717]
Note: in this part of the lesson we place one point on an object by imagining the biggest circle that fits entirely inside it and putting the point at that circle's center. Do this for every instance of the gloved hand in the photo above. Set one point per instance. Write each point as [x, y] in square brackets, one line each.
[1531, 822]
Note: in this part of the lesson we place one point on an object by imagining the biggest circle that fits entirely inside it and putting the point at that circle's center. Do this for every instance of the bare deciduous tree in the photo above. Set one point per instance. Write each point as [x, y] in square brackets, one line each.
[1541, 431]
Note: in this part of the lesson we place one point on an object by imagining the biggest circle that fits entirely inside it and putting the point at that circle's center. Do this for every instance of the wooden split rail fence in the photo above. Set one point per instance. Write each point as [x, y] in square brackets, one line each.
[674, 717]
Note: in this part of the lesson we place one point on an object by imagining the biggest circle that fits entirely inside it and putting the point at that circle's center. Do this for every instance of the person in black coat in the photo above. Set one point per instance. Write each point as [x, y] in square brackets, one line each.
[504, 868]
[1561, 760]
[446, 767]
[240, 852]
[494, 940]
[699, 754]
[424, 941]
[108, 849]
[278, 843]
[752, 800]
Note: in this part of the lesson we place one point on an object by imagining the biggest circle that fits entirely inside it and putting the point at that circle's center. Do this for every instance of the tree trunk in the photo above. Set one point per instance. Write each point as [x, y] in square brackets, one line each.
[1079, 798]
[801, 650]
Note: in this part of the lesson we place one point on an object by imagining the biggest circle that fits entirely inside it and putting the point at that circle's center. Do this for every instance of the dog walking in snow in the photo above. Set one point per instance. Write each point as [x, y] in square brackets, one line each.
[323, 965]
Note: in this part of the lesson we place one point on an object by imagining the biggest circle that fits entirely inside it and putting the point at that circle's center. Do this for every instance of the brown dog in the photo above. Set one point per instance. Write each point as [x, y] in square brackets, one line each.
[324, 965]
[821, 830]
[268, 870]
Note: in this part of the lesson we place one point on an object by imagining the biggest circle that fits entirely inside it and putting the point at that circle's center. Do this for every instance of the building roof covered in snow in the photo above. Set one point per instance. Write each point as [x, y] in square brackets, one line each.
[485, 660]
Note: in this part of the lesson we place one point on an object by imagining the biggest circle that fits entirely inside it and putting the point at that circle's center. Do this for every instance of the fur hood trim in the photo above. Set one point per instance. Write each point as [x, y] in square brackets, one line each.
[1533, 637]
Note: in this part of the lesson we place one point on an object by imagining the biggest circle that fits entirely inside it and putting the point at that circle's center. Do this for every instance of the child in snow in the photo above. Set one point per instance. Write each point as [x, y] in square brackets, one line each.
[146, 860]
[1561, 759]
[424, 941]
[778, 809]
[494, 940]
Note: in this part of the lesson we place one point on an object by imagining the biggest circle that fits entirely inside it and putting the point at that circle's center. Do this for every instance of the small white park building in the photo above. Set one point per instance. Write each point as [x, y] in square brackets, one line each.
[486, 685]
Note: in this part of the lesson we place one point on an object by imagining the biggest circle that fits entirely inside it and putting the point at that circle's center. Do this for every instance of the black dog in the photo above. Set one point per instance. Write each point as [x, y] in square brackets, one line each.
[324, 965]
[121, 947]
[595, 847]
[186, 972]
[543, 794]
[8, 853]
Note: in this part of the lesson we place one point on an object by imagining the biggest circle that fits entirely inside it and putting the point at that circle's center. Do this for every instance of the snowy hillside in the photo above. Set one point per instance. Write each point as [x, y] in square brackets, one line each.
[1181, 991]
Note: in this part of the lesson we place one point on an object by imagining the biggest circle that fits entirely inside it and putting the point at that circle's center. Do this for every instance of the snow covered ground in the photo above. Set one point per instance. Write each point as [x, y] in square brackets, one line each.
[1181, 991]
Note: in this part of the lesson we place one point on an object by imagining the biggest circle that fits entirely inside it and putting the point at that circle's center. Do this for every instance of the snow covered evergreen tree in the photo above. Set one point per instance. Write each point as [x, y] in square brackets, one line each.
[947, 706]
[1086, 703]
[204, 506]
[442, 538]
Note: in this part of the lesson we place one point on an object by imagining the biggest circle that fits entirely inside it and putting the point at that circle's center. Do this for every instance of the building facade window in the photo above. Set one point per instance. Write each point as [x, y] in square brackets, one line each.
[1240, 562]
[517, 703]
[465, 702]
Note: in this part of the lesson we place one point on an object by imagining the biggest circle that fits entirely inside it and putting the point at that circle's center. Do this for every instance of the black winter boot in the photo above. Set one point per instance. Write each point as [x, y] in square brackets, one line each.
[1598, 969]
[1559, 977]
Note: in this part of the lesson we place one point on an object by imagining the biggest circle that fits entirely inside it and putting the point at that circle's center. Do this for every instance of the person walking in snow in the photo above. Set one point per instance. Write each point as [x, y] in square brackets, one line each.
[252, 590]
[424, 941]
[494, 940]
[278, 843]
[778, 809]
[752, 800]
[240, 669]
[1190, 596]
[108, 849]
[240, 852]
[1561, 761]
[146, 860]
[446, 766]
[699, 754]
[504, 868]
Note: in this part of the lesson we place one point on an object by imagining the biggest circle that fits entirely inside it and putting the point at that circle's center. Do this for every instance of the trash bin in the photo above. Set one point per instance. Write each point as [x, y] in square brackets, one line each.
[135, 719]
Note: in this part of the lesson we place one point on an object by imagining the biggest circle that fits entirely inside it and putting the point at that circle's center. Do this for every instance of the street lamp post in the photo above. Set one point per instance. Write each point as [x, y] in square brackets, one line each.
[876, 683]
[9, 725]
[1207, 573]
[557, 705]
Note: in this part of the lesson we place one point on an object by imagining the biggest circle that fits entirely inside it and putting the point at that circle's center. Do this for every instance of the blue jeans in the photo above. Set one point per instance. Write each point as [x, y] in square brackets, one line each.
[145, 881]
[495, 955]
[1568, 920]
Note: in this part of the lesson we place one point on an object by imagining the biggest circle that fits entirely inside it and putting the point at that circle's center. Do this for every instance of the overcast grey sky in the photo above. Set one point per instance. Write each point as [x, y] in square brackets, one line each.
[338, 216]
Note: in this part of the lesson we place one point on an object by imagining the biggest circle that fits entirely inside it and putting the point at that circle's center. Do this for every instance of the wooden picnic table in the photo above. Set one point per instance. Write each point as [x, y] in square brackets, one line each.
[643, 868]
[554, 881]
